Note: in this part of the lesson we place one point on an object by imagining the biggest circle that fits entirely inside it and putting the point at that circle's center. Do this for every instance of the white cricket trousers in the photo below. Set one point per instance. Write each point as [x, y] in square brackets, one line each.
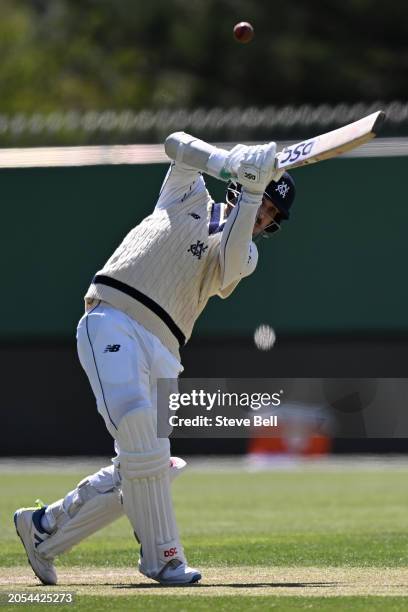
[122, 361]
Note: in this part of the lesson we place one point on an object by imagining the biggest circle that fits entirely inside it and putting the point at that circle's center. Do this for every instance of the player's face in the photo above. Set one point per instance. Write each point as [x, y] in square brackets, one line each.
[266, 214]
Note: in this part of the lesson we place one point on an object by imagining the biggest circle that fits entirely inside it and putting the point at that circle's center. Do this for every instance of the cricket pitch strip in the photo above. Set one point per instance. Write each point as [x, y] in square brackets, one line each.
[239, 581]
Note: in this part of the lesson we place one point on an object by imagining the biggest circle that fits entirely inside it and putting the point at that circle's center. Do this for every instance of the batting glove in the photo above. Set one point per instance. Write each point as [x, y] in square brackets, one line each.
[257, 168]
[232, 161]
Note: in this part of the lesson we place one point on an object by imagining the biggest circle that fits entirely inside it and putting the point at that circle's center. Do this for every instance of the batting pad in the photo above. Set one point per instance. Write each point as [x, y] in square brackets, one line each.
[93, 504]
[90, 512]
[144, 466]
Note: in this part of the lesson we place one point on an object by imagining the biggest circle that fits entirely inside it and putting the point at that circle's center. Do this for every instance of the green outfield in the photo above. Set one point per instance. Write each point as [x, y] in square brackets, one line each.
[324, 538]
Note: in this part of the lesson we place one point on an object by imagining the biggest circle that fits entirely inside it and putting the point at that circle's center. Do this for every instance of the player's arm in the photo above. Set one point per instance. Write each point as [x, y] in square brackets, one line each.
[249, 267]
[238, 255]
[192, 156]
[180, 182]
[195, 153]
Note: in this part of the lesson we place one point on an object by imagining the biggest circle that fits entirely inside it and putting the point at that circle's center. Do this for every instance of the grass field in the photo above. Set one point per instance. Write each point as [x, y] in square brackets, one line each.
[323, 539]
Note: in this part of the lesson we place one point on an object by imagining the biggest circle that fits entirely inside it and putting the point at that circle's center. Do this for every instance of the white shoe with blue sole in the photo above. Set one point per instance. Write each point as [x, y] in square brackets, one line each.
[31, 534]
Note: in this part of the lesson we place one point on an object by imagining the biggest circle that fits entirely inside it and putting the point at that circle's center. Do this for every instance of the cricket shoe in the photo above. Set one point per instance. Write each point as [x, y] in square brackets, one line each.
[31, 534]
[175, 573]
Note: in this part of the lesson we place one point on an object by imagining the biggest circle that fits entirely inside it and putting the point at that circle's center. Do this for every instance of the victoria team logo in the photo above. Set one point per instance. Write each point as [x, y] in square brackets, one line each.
[283, 189]
[197, 249]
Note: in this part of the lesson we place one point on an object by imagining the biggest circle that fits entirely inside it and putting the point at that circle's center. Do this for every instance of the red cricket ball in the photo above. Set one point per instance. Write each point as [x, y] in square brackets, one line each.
[243, 32]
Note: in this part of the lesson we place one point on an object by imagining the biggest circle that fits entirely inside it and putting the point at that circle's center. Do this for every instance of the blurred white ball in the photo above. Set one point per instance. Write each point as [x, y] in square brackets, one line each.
[264, 337]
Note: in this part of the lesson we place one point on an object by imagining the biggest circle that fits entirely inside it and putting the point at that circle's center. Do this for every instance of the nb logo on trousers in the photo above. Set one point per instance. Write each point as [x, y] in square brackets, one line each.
[112, 348]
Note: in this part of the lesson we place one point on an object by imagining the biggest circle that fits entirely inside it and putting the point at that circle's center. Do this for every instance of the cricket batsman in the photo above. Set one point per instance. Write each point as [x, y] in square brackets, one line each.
[140, 311]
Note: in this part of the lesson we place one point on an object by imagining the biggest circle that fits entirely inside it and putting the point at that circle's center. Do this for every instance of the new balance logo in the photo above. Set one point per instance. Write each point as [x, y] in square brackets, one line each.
[112, 348]
[194, 215]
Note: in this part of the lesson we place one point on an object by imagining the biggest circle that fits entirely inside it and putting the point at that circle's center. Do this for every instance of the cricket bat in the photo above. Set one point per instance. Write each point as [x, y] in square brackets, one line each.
[330, 144]
[185, 148]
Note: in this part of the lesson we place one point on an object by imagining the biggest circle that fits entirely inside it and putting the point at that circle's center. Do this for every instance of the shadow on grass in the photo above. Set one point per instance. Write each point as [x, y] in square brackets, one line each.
[235, 585]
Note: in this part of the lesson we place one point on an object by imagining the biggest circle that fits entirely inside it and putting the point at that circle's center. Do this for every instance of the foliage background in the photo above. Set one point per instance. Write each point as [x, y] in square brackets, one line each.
[119, 54]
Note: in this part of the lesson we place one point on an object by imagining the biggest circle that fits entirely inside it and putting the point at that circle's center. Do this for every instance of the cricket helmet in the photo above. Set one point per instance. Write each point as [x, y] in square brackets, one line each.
[281, 193]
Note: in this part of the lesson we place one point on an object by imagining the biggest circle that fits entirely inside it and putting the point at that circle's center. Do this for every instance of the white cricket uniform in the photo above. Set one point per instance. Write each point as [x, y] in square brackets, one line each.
[169, 265]
[141, 308]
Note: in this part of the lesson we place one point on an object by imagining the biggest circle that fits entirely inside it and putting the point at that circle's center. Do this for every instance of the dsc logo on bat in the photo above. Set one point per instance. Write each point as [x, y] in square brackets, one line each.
[292, 154]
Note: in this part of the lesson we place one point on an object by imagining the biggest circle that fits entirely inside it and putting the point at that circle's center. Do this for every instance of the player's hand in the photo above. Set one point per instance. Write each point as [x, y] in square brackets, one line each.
[232, 161]
[257, 167]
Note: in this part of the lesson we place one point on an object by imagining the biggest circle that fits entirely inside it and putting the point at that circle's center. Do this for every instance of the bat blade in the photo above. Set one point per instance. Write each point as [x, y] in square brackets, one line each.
[330, 144]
